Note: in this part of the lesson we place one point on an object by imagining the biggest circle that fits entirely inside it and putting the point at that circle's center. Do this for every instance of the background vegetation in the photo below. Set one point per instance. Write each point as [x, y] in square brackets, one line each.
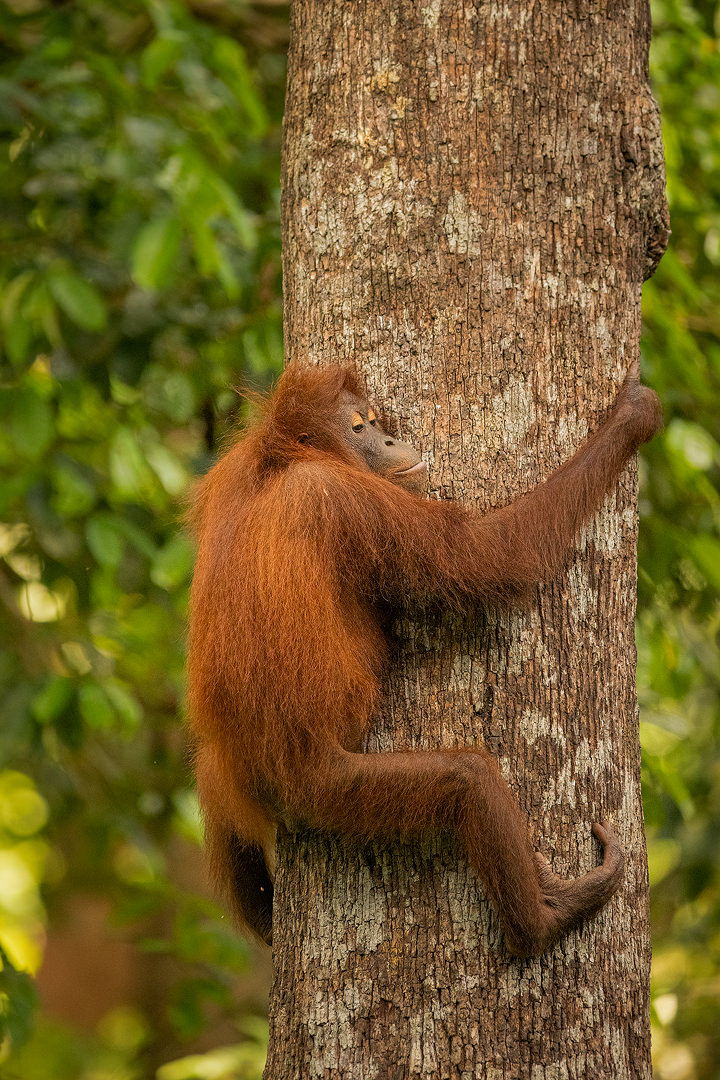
[140, 278]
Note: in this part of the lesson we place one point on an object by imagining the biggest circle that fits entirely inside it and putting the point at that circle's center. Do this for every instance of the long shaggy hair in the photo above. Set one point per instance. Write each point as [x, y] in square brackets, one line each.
[298, 540]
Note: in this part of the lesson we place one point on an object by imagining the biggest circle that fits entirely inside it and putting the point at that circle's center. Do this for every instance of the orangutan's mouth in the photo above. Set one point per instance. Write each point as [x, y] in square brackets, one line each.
[413, 470]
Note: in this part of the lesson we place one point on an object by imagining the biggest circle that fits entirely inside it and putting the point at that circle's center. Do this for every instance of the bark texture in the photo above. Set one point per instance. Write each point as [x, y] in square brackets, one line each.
[473, 194]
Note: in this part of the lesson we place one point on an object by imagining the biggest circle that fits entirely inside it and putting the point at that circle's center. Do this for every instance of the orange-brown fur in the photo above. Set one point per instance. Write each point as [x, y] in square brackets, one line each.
[299, 547]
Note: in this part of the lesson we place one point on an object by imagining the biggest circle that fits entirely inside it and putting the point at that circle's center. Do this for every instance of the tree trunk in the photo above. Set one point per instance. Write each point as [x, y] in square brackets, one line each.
[473, 194]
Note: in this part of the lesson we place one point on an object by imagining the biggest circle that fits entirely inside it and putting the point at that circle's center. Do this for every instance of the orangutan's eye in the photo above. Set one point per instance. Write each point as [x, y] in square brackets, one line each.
[371, 417]
[357, 422]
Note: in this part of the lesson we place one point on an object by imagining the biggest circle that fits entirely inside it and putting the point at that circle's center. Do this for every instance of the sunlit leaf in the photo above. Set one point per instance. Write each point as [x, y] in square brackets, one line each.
[232, 63]
[125, 702]
[95, 706]
[80, 300]
[17, 1002]
[52, 699]
[31, 422]
[172, 565]
[128, 467]
[155, 253]
[160, 56]
[105, 539]
[706, 553]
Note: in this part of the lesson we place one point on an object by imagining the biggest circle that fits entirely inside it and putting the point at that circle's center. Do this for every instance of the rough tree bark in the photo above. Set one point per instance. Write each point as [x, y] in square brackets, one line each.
[473, 193]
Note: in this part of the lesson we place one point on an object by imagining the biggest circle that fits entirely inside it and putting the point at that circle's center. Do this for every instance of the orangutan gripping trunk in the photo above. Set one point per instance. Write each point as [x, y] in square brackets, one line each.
[308, 528]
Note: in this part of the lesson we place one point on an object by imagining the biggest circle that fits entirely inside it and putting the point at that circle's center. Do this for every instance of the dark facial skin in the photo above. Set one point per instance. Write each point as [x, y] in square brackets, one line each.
[396, 461]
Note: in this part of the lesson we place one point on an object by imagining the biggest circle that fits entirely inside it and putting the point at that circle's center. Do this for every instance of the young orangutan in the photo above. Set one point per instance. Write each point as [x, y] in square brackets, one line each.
[309, 522]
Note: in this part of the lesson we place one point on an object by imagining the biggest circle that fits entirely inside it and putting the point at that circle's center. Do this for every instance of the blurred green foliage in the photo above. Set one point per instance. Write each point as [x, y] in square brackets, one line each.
[679, 615]
[140, 279]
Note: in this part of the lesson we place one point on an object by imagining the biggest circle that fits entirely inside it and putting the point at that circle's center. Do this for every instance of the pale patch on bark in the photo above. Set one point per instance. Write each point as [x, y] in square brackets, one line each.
[463, 226]
[562, 788]
[431, 13]
[571, 432]
[609, 540]
[584, 595]
[554, 1071]
[386, 76]
[536, 725]
[511, 416]
[522, 643]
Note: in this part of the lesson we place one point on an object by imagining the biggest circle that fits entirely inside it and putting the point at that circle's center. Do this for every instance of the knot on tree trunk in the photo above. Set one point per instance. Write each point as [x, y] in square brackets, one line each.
[643, 168]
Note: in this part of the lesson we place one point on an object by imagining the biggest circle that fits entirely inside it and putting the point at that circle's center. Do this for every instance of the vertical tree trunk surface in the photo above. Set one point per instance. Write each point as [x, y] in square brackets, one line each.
[473, 193]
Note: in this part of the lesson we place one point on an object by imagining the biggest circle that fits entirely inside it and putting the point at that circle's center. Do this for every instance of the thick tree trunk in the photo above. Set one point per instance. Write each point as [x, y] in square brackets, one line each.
[473, 193]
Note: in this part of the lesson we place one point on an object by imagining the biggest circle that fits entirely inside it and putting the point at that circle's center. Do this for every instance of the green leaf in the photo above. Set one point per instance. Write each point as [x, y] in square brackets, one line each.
[231, 63]
[128, 468]
[173, 395]
[40, 310]
[136, 536]
[95, 706]
[705, 551]
[160, 56]
[74, 494]
[663, 857]
[693, 442]
[52, 699]
[105, 539]
[204, 246]
[167, 468]
[18, 999]
[80, 300]
[31, 423]
[126, 704]
[17, 330]
[173, 563]
[11, 295]
[155, 252]
[17, 337]
[237, 213]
